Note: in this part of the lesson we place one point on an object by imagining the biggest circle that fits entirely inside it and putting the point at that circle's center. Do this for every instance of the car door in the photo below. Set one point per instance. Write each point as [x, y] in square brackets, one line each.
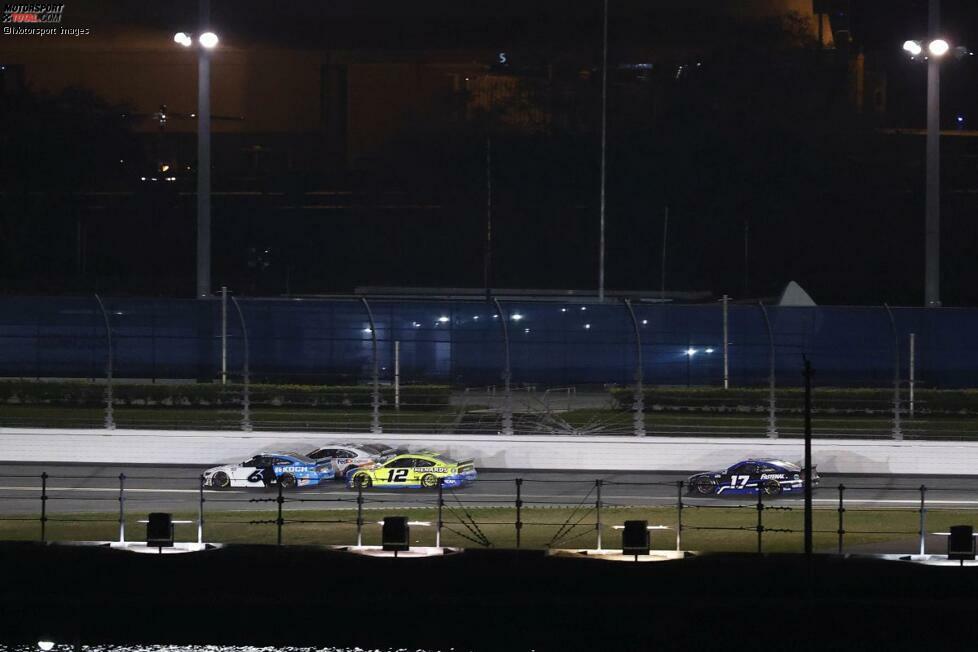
[397, 472]
[741, 478]
[251, 473]
[330, 453]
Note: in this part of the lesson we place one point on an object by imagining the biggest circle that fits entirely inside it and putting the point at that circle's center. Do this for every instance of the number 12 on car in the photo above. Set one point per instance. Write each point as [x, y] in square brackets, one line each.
[397, 475]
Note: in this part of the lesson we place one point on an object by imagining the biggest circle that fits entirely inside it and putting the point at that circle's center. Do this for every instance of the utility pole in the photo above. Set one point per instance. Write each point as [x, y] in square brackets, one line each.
[726, 337]
[487, 263]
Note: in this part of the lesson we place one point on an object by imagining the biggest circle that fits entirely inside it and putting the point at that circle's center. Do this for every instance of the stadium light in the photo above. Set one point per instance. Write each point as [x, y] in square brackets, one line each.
[691, 352]
[182, 38]
[45, 645]
[913, 47]
[938, 47]
[516, 316]
[208, 40]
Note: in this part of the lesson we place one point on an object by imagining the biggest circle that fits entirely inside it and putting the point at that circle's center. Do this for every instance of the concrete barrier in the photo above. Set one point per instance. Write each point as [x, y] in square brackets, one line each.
[537, 452]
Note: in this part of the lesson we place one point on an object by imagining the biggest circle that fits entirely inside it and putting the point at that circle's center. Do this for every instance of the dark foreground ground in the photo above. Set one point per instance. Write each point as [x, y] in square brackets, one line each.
[480, 600]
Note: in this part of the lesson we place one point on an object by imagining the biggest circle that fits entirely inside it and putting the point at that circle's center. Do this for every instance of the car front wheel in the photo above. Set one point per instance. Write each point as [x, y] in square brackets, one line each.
[287, 481]
[771, 488]
[362, 480]
[220, 480]
[429, 481]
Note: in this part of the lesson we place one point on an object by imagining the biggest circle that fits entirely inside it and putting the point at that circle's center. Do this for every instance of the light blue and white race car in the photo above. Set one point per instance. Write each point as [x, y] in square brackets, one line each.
[268, 469]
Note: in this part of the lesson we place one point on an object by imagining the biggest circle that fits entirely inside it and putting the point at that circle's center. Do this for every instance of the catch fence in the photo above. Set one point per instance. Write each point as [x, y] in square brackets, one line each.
[510, 512]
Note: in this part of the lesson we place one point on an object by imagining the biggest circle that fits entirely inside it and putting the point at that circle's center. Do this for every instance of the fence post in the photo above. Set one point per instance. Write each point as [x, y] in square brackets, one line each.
[923, 521]
[519, 509]
[726, 350]
[760, 520]
[441, 504]
[842, 511]
[122, 508]
[200, 514]
[224, 335]
[639, 396]
[507, 373]
[679, 516]
[772, 420]
[359, 515]
[375, 373]
[279, 522]
[109, 419]
[397, 375]
[597, 525]
[246, 396]
[897, 432]
[44, 504]
[912, 352]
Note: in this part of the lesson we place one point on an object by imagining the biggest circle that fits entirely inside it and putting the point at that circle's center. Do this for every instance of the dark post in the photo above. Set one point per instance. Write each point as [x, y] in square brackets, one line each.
[808, 456]
[760, 520]
[679, 515]
[842, 511]
[200, 514]
[44, 503]
[375, 373]
[923, 521]
[441, 504]
[597, 525]
[519, 509]
[279, 522]
[122, 508]
[359, 515]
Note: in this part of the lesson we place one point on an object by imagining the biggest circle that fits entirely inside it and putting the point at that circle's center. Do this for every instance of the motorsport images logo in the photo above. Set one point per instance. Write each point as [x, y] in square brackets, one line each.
[37, 19]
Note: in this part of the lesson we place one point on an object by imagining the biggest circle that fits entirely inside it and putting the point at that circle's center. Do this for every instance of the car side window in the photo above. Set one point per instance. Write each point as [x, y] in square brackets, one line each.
[423, 464]
[344, 453]
[748, 469]
[768, 469]
[403, 463]
[252, 462]
[323, 453]
[282, 461]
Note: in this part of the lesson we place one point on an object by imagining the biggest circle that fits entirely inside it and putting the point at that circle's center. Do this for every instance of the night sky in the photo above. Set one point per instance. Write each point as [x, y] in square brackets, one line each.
[357, 152]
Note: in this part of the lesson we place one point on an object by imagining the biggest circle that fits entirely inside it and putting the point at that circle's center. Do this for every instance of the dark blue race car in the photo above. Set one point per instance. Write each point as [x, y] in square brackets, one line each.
[772, 477]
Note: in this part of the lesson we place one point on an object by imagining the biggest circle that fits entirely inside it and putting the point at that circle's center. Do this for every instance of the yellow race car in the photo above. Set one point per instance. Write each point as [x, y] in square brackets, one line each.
[414, 470]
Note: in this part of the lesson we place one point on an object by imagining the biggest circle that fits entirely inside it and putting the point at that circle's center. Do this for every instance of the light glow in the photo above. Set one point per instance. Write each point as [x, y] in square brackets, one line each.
[208, 40]
[913, 47]
[45, 645]
[443, 320]
[938, 47]
[182, 38]
[516, 316]
[709, 350]
[691, 352]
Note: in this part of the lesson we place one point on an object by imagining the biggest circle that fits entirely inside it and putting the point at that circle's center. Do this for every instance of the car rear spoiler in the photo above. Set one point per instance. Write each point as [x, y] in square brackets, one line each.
[470, 463]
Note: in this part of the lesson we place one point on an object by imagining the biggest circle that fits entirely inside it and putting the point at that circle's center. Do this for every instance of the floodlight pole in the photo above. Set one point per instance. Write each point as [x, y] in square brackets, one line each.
[808, 455]
[204, 159]
[932, 199]
[246, 396]
[109, 417]
[604, 141]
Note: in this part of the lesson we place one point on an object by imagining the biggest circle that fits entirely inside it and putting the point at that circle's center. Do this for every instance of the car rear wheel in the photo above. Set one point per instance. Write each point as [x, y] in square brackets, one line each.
[429, 481]
[771, 488]
[705, 486]
[220, 480]
[287, 481]
[362, 480]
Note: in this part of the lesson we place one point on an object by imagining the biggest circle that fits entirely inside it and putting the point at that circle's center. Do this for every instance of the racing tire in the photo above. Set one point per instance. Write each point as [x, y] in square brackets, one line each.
[429, 481]
[705, 486]
[771, 488]
[287, 481]
[363, 481]
[220, 480]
